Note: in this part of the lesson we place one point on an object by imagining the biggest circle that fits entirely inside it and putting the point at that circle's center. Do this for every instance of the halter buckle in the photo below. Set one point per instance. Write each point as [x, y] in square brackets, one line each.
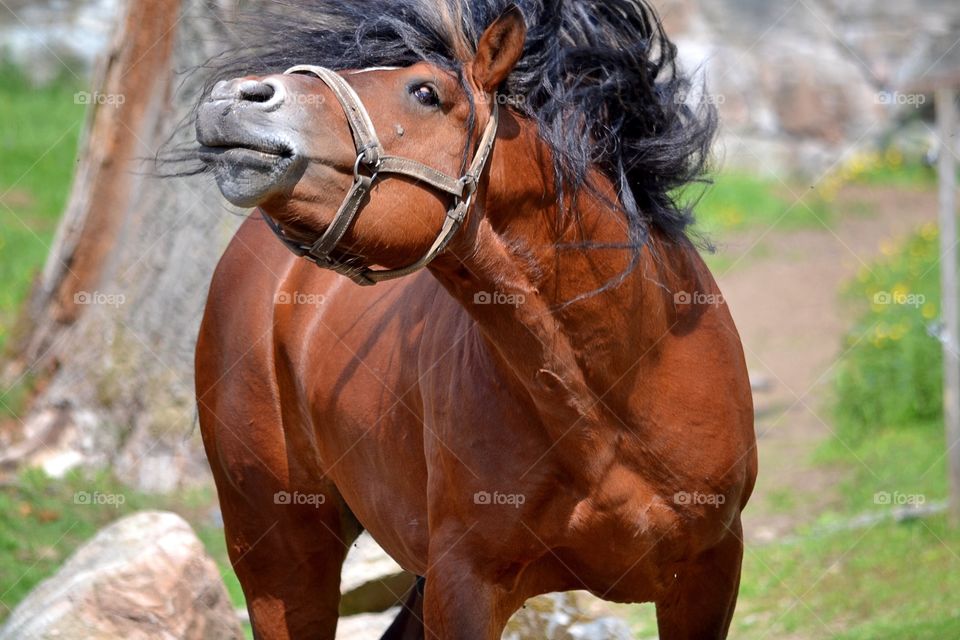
[362, 159]
[470, 185]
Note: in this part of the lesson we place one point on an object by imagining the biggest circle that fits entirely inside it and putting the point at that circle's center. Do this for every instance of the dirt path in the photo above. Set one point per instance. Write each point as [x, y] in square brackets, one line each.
[784, 297]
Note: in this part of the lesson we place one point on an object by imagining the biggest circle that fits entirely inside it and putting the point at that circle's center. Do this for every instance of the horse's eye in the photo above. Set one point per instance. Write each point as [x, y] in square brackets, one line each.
[426, 95]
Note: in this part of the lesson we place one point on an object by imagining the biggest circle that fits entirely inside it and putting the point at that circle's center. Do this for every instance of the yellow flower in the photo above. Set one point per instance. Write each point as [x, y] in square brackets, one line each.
[899, 332]
[894, 157]
[929, 231]
[929, 311]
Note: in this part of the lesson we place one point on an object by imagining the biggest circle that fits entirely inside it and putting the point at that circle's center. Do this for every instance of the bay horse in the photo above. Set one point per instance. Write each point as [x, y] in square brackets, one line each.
[545, 392]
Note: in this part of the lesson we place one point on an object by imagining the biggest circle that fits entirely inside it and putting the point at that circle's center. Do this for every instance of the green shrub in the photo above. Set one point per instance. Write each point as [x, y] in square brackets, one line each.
[890, 374]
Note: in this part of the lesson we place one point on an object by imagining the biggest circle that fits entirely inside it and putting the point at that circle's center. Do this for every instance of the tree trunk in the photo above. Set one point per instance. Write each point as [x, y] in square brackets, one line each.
[114, 316]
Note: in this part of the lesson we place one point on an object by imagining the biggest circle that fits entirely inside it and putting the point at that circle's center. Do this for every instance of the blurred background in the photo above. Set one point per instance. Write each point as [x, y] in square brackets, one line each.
[823, 211]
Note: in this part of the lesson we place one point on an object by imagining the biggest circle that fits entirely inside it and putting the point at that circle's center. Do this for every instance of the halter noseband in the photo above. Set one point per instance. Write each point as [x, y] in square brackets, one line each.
[370, 153]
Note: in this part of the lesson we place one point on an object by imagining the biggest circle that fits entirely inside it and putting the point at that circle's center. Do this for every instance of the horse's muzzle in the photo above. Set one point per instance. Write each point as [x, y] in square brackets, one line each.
[243, 140]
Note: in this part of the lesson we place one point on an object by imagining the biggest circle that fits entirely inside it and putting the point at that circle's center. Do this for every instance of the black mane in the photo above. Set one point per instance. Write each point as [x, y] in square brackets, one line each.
[599, 77]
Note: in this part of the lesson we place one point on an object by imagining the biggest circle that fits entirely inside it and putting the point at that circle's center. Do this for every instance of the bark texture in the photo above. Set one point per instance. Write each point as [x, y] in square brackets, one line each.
[113, 319]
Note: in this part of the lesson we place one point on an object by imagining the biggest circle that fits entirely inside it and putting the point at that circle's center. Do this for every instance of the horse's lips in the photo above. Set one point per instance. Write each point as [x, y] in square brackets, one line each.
[243, 155]
[247, 176]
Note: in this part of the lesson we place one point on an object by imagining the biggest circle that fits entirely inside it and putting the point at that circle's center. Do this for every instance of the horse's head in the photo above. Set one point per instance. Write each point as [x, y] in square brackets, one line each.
[296, 144]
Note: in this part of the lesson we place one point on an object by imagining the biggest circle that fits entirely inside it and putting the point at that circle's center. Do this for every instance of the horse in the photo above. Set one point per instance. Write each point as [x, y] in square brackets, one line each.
[544, 391]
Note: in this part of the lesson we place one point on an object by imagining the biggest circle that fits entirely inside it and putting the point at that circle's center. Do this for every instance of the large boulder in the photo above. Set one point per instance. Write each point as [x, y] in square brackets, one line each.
[574, 615]
[145, 577]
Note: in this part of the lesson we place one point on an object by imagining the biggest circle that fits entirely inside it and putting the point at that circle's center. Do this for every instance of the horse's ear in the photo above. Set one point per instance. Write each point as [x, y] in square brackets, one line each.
[499, 50]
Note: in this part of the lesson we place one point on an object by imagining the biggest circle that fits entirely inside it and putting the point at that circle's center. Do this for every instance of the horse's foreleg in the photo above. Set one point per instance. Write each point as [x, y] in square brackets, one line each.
[460, 605]
[288, 563]
[701, 603]
[287, 537]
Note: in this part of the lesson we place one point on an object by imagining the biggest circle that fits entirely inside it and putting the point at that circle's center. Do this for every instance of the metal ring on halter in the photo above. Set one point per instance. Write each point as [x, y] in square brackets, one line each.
[362, 159]
[470, 185]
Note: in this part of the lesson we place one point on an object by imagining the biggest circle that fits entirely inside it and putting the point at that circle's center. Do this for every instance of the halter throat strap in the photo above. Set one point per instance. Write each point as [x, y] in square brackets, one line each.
[372, 157]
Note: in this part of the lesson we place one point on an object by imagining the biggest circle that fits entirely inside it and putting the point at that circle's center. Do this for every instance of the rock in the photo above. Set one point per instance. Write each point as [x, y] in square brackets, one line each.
[556, 616]
[366, 626]
[798, 84]
[565, 616]
[371, 581]
[144, 577]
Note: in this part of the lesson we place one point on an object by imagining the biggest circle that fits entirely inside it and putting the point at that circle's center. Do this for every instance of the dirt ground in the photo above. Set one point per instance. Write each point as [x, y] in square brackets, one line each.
[784, 295]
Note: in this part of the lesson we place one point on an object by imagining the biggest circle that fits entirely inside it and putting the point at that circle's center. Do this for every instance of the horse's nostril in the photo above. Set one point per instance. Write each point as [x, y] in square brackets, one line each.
[255, 91]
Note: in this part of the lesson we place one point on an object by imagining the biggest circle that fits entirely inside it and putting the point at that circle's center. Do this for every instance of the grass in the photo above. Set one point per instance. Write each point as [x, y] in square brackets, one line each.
[42, 521]
[39, 131]
[737, 201]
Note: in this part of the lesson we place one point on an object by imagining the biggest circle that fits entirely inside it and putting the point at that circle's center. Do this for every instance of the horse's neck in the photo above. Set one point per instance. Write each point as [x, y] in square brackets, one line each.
[571, 358]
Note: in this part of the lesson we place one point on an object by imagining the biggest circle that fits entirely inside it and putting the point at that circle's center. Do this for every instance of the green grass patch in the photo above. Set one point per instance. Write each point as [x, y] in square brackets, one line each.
[738, 201]
[852, 583]
[39, 130]
[889, 168]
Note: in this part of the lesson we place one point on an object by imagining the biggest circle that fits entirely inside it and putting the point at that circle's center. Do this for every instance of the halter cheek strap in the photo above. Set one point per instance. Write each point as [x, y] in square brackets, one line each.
[371, 155]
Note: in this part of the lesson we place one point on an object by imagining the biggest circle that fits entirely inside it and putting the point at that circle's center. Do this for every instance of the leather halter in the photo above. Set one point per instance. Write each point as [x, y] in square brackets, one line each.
[370, 154]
